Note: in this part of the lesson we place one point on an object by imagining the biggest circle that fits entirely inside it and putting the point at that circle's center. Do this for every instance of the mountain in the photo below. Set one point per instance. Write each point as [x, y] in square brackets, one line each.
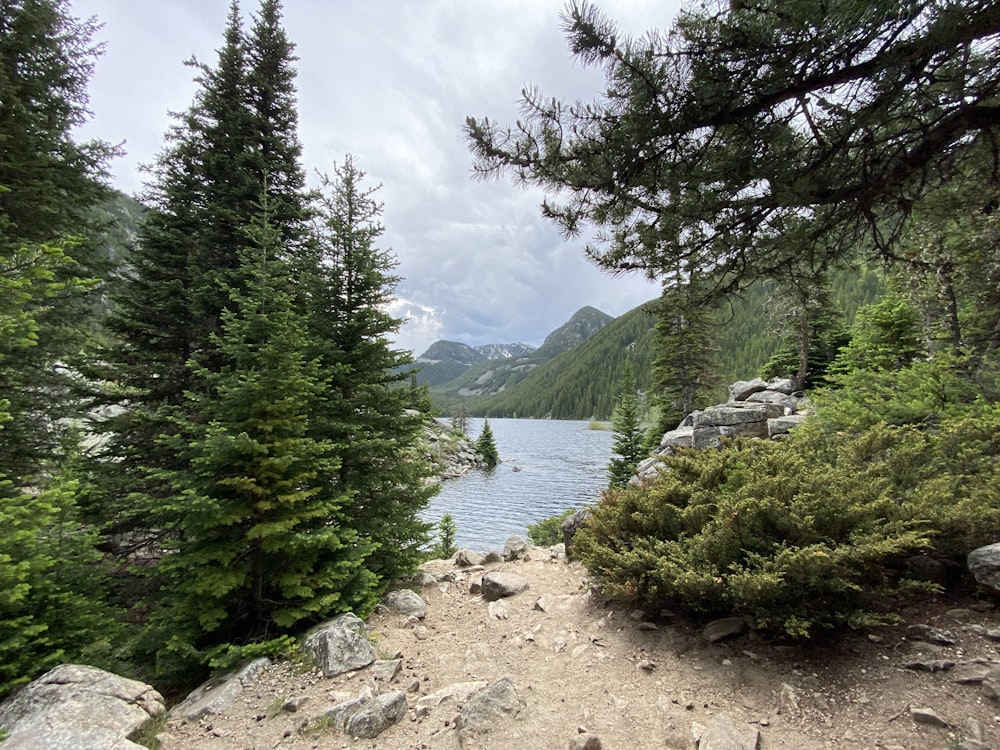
[494, 376]
[579, 382]
[575, 374]
[585, 323]
[504, 351]
[444, 361]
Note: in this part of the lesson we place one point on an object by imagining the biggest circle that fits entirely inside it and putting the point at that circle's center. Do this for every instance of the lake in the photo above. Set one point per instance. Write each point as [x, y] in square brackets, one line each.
[546, 467]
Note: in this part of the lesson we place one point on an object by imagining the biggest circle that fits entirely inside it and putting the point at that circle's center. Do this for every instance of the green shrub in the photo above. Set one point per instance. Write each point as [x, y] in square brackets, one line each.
[445, 546]
[807, 533]
[548, 531]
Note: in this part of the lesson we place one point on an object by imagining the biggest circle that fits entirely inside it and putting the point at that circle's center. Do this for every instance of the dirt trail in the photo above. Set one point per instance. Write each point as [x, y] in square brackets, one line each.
[578, 664]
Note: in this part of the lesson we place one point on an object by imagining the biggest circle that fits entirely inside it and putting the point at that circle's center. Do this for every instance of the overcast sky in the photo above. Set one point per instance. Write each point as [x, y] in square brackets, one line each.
[391, 82]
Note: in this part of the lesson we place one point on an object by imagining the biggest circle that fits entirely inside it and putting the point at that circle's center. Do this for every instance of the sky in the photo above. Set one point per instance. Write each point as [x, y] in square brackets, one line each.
[391, 82]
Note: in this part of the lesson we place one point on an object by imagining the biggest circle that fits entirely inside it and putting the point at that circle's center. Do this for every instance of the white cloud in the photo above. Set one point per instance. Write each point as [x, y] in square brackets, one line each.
[391, 83]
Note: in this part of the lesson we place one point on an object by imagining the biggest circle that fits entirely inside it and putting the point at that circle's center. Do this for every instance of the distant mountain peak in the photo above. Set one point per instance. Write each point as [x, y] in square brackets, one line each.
[504, 351]
[584, 323]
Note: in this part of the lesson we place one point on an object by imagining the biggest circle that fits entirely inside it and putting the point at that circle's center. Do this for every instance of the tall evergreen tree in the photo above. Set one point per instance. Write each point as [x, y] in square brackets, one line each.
[626, 424]
[260, 543]
[348, 282]
[231, 146]
[48, 185]
[683, 371]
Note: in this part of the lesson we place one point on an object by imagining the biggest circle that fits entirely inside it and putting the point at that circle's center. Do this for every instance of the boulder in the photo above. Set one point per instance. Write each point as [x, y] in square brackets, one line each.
[784, 425]
[406, 602]
[76, 707]
[741, 389]
[984, 564]
[377, 715]
[466, 558]
[570, 526]
[727, 627]
[516, 548]
[682, 437]
[218, 693]
[340, 645]
[787, 404]
[488, 705]
[500, 584]
[731, 414]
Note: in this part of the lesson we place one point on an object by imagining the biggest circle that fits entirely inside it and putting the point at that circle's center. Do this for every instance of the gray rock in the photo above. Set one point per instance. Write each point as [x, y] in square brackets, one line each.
[929, 634]
[727, 627]
[787, 386]
[585, 741]
[467, 558]
[731, 415]
[984, 564]
[340, 645]
[787, 404]
[458, 692]
[76, 707]
[682, 437]
[500, 584]
[406, 602]
[571, 525]
[492, 557]
[488, 705]
[386, 670]
[991, 684]
[516, 548]
[377, 715]
[218, 693]
[784, 425]
[722, 733]
[706, 437]
[546, 603]
[927, 716]
[741, 389]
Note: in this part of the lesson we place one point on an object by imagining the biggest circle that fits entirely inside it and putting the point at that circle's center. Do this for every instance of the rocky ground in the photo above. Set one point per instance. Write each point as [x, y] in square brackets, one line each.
[633, 682]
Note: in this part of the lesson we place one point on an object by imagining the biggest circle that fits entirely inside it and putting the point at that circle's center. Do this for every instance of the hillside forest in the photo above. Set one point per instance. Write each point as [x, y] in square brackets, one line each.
[208, 441]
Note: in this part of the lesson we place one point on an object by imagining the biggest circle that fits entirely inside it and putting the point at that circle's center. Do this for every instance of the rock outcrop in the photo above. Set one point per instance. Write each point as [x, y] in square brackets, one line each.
[75, 707]
[766, 409]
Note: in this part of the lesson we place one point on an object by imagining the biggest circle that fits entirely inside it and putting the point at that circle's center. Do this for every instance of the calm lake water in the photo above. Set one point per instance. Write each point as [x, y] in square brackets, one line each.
[547, 466]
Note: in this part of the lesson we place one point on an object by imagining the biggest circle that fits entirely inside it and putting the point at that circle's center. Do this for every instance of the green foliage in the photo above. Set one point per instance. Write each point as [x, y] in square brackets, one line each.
[778, 91]
[803, 534]
[627, 443]
[259, 544]
[548, 531]
[49, 581]
[885, 336]
[486, 446]
[445, 546]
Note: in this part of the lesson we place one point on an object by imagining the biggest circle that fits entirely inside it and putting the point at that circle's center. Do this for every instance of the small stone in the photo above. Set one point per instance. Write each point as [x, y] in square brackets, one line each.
[500, 584]
[727, 627]
[585, 741]
[647, 626]
[293, 703]
[466, 558]
[927, 716]
[648, 666]
[545, 603]
[930, 635]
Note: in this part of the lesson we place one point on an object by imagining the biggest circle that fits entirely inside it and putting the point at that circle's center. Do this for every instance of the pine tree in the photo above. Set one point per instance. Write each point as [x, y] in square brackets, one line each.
[49, 184]
[486, 446]
[367, 410]
[222, 154]
[683, 371]
[626, 422]
[260, 543]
